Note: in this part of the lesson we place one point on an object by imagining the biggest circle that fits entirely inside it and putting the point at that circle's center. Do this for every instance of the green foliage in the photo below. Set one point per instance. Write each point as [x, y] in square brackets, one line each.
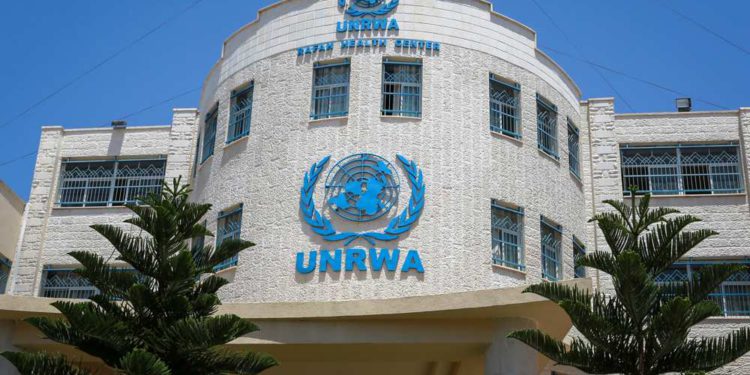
[643, 328]
[158, 320]
[43, 364]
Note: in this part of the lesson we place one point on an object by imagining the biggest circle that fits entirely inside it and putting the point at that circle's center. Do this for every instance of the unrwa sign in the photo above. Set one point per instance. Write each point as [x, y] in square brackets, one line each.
[358, 259]
[361, 188]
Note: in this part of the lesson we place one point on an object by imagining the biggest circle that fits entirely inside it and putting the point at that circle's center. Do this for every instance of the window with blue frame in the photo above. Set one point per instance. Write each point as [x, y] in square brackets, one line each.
[551, 234]
[330, 94]
[546, 123]
[209, 133]
[574, 149]
[107, 183]
[402, 88]
[228, 226]
[682, 169]
[579, 251]
[505, 113]
[732, 296]
[241, 112]
[65, 283]
[507, 236]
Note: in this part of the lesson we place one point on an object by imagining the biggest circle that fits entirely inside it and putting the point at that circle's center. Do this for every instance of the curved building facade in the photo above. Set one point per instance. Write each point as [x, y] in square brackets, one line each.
[458, 54]
[406, 168]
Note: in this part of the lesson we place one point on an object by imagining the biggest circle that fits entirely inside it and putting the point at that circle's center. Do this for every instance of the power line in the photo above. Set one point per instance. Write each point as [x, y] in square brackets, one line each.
[705, 28]
[570, 41]
[101, 63]
[641, 80]
[17, 158]
[165, 101]
[144, 109]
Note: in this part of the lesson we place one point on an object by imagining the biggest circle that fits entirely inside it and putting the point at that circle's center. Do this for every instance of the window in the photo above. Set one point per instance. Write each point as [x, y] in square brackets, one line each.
[209, 133]
[682, 169]
[109, 182]
[551, 250]
[330, 94]
[229, 226]
[197, 153]
[733, 295]
[241, 111]
[5, 265]
[574, 152]
[507, 236]
[64, 283]
[546, 122]
[402, 88]
[579, 251]
[505, 113]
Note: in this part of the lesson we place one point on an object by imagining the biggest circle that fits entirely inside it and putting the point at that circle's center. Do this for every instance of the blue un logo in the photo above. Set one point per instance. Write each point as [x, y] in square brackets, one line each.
[362, 187]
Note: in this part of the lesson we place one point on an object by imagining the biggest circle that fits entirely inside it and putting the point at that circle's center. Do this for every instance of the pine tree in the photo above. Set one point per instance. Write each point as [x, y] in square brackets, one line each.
[643, 328]
[158, 319]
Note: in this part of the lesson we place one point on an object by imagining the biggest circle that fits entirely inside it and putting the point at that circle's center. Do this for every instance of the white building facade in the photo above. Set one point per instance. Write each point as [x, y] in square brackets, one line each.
[405, 169]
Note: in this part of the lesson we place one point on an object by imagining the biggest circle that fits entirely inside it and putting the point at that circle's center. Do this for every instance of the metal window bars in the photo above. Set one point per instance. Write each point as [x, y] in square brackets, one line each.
[574, 152]
[402, 89]
[241, 113]
[682, 169]
[551, 250]
[209, 134]
[546, 121]
[732, 296]
[505, 114]
[109, 183]
[5, 265]
[330, 93]
[229, 226]
[507, 236]
[64, 283]
[579, 251]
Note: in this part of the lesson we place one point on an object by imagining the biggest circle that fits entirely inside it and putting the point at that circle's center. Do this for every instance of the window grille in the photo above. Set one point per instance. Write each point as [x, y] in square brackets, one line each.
[330, 96]
[64, 283]
[732, 296]
[229, 226]
[209, 134]
[402, 89]
[551, 250]
[682, 169]
[574, 152]
[109, 183]
[507, 236]
[579, 251]
[241, 113]
[5, 265]
[546, 122]
[505, 114]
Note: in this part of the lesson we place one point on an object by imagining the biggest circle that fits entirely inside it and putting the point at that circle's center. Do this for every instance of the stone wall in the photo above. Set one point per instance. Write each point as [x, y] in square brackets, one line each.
[52, 232]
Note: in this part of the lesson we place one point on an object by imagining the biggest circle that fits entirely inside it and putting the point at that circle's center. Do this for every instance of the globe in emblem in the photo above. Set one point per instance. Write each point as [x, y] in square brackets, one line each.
[362, 187]
[368, 3]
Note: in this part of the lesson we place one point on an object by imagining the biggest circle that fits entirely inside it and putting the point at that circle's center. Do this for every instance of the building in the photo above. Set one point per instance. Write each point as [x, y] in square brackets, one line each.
[484, 161]
[11, 214]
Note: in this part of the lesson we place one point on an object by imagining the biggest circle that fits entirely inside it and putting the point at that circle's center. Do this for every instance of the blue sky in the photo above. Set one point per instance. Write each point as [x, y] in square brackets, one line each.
[46, 44]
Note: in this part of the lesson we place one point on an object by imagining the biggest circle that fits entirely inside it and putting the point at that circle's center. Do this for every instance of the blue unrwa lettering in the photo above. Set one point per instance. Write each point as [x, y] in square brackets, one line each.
[367, 24]
[356, 259]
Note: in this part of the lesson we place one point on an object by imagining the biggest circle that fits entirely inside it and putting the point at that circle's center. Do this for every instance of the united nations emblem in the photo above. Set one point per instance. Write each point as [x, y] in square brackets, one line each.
[359, 8]
[362, 188]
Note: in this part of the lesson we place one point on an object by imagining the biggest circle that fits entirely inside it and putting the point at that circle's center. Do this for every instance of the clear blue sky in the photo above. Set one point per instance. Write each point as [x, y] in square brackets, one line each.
[47, 43]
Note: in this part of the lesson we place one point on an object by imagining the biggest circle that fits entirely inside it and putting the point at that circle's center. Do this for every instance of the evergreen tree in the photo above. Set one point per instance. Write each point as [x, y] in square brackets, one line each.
[158, 319]
[643, 328]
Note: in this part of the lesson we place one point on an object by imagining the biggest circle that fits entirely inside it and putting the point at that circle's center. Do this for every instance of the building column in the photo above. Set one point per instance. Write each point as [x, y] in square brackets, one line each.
[27, 267]
[182, 144]
[604, 173]
[510, 356]
[744, 120]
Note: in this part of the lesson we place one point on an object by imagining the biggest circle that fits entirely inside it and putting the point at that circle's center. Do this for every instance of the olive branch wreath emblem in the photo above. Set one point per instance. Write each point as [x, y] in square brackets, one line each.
[397, 226]
[354, 11]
